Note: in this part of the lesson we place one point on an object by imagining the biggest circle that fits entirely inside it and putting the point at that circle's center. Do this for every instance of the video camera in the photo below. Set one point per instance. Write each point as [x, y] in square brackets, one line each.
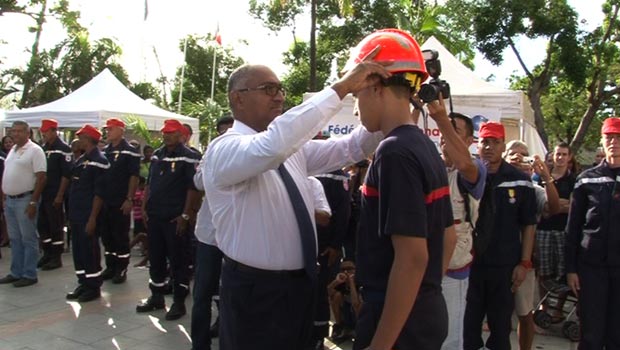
[430, 92]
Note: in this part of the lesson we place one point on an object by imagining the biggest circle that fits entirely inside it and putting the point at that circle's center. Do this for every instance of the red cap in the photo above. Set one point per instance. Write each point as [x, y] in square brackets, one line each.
[113, 122]
[611, 126]
[493, 130]
[47, 124]
[90, 131]
[173, 125]
[185, 131]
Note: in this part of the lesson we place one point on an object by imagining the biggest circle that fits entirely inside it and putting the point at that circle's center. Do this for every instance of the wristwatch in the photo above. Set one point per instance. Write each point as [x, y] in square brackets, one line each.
[185, 217]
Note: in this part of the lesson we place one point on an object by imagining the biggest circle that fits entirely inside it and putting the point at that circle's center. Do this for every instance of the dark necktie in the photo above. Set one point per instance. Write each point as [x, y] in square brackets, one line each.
[306, 229]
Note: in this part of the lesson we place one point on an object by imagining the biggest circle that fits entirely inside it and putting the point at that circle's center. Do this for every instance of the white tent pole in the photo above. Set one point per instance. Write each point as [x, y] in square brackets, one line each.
[182, 76]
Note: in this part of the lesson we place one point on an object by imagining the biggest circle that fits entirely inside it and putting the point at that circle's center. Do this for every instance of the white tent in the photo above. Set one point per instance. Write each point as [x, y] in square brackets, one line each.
[101, 98]
[471, 96]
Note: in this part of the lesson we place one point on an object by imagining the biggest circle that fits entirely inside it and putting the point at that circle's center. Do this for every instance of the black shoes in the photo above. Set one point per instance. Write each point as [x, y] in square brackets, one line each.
[52, 264]
[214, 331]
[43, 260]
[25, 282]
[177, 310]
[107, 274]
[76, 292]
[154, 302]
[84, 294]
[120, 277]
[89, 294]
[8, 279]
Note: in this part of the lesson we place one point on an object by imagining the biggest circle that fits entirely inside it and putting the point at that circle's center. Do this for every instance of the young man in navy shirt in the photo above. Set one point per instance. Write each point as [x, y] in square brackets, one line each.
[406, 211]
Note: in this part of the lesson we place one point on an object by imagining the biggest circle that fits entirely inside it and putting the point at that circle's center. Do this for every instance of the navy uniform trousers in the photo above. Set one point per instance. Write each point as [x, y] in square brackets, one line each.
[50, 223]
[599, 307]
[115, 237]
[165, 245]
[86, 256]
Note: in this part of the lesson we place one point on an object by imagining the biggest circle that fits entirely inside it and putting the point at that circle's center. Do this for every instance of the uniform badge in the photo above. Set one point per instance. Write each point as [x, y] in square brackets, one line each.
[511, 194]
[172, 166]
[67, 158]
[116, 156]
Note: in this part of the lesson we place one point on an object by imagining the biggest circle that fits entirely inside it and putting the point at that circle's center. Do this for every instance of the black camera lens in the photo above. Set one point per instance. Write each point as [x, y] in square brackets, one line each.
[428, 93]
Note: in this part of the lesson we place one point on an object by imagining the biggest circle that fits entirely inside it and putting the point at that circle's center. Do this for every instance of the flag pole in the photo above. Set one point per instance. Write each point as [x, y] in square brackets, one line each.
[213, 73]
[182, 76]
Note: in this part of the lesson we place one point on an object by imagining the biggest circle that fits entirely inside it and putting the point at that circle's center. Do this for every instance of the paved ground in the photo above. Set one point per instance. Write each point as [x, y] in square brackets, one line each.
[39, 317]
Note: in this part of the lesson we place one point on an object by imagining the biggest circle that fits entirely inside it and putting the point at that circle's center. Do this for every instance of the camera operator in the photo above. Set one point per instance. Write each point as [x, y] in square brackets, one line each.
[344, 302]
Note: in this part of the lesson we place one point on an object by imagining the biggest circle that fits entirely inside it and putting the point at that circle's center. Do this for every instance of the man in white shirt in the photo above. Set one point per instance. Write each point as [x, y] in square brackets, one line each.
[22, 184]
[257, 204]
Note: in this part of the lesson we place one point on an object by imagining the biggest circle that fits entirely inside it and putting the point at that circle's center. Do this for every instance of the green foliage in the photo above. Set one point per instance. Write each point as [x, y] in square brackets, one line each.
[147, 91]
[140, 129]
[207, 112]
[199, 70]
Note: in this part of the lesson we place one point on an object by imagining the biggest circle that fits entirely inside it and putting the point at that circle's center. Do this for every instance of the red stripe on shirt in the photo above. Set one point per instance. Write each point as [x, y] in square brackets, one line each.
[369, 191]
[437, 194]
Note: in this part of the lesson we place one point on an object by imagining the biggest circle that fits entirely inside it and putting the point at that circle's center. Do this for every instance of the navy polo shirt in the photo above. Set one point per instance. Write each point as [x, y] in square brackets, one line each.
[515, 207]
[170, 177]
[86, 182]
[405, 193]
[58, 166]
[124, 163]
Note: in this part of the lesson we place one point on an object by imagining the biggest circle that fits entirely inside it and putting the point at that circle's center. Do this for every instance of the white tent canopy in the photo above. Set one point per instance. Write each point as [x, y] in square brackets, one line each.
[471, 96]
[101, 98]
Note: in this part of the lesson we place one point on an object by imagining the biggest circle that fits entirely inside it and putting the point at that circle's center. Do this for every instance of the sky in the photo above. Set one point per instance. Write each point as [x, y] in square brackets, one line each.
[166, 25]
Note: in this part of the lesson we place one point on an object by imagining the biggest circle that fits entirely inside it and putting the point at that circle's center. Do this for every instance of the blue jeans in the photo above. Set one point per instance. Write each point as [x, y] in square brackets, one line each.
[206, 285]
[24, 238]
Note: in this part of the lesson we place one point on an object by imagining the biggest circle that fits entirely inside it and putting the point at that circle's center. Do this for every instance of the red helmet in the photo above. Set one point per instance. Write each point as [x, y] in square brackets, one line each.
[397, 47]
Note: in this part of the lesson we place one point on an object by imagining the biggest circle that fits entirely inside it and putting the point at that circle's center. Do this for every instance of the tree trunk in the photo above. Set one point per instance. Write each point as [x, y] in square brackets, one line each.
[312, 86]
[534, 93]
[583, 127]
[29, 76]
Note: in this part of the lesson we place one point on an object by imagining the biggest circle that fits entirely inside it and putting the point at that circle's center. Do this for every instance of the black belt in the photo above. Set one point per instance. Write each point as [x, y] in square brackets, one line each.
[235, 265]
[21, 195]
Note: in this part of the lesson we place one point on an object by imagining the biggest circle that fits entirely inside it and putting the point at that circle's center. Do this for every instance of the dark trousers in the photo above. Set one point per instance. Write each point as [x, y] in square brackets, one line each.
[165, 245]
[425, 329]
[488, 294]
[261, 311]
[206, 285]
[86, 256]
[599, 307]
[114, 229]
[50, 224]
[321, 313]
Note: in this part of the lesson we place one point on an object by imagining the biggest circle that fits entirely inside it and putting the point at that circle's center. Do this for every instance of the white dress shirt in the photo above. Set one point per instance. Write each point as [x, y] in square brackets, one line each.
[252, 212]
[320, 199]
[205, 231]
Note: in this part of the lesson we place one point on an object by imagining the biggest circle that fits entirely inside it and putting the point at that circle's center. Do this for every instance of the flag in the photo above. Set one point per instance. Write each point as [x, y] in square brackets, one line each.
[218, 37]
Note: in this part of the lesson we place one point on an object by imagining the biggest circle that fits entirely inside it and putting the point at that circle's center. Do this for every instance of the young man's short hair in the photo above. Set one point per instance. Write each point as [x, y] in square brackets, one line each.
[468, 122]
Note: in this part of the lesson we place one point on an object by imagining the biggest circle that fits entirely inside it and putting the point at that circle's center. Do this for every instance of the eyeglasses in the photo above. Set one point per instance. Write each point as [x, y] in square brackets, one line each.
[269, 89]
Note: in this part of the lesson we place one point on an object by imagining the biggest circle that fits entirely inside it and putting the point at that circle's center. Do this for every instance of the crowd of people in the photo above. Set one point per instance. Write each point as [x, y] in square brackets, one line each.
[401, 246]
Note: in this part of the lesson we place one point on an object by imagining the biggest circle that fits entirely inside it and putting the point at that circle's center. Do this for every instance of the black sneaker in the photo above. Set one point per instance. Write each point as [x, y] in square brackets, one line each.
[52, 264]
[89, 294]
[8, 279]
[107, 274]
[120, 277]
[25, 282]
[177, 310]
[151, 304]
[76, 292]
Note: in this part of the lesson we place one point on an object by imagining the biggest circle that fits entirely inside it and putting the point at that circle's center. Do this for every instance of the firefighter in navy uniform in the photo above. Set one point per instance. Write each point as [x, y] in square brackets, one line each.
[593, 246]
[330, 239]
[167, 206]
[121, 182]
[51, 218]
[85, 204]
